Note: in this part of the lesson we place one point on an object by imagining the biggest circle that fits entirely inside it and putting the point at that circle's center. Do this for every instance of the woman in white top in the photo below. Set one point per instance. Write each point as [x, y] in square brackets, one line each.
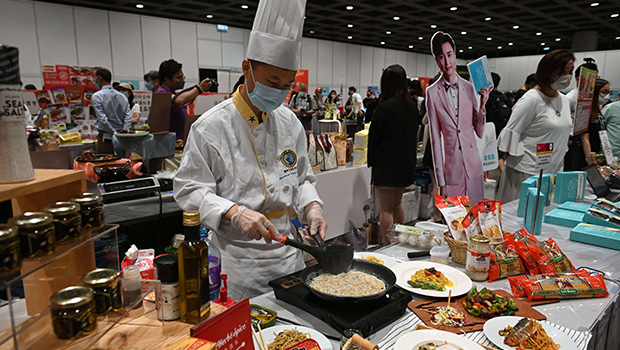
[127, 90]
[536, 136]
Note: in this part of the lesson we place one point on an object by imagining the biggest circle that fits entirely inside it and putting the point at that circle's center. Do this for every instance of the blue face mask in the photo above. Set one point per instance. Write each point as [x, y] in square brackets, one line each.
[264, 97]
[97, 85]
[149, 85]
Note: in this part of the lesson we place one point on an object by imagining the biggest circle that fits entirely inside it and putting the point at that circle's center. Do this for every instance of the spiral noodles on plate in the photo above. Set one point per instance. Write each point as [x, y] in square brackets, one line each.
[350, 284]
[286, 339]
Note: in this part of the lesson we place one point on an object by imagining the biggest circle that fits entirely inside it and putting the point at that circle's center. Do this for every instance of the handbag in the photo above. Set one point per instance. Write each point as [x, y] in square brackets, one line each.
[329, 158]
[339, 140]
[311, 148]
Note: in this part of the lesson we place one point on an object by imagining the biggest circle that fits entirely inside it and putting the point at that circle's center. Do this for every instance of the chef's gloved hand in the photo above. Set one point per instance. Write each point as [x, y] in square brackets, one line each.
[316, 222]
[254, 225]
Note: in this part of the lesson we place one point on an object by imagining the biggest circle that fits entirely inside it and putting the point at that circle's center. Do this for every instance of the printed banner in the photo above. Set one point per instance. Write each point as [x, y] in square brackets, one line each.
[581, 120]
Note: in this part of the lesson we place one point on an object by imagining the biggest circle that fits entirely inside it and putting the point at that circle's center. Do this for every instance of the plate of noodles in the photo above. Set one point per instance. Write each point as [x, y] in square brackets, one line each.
[526, 334]
[378, 258]
[444, 277]
[432, 339]
[284, 336]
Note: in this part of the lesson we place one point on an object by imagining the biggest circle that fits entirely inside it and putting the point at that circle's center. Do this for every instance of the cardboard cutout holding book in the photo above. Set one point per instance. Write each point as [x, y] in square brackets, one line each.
[456, 116]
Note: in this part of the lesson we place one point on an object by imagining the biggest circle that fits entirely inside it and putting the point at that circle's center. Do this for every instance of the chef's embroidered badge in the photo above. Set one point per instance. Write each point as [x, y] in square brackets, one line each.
[288, 158]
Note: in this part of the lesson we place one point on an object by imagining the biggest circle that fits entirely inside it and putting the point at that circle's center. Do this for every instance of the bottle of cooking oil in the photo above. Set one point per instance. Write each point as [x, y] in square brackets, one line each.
[193, 271]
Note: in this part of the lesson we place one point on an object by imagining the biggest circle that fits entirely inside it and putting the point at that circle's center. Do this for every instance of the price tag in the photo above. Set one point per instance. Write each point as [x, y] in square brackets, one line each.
[609, 155]
[544, 153]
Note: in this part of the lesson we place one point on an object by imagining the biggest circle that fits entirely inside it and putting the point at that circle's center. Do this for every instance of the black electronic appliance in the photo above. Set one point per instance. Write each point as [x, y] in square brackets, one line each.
[126, 189]
[367, 317]
[599, 185]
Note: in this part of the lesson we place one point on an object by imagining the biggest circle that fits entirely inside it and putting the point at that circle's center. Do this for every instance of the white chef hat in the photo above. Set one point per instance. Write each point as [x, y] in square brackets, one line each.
[276, 34]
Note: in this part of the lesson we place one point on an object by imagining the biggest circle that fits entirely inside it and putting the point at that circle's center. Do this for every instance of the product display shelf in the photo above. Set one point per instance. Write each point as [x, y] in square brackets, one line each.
[42, 277]
[48, 186]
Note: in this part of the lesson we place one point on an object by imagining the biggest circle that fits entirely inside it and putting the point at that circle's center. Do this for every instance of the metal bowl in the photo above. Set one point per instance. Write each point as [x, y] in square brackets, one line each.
[112, 170]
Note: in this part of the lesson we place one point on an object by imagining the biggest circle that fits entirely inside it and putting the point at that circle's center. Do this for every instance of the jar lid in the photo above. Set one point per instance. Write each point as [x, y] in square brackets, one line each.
[191, 218]
[87, 198]
[72, 297]
[480, 239]
[34, 219]
[99, 277]
[7, 231]
[167, 268]
[63, 208]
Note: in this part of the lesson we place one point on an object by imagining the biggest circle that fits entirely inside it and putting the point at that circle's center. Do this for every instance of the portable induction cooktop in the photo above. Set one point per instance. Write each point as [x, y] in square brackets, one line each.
[368, 317]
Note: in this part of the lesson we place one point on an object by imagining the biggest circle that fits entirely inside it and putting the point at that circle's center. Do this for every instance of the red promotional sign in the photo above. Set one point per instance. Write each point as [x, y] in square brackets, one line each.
[230, 329]
[424, 82]
[56, 76]
[300, 77]
[78, 81]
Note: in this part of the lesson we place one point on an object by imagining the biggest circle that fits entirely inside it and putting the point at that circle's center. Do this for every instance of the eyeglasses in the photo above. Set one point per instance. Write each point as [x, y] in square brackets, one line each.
[181, 78]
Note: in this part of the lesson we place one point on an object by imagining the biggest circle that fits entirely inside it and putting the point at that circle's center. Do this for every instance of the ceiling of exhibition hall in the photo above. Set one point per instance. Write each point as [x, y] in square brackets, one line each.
[495, 28]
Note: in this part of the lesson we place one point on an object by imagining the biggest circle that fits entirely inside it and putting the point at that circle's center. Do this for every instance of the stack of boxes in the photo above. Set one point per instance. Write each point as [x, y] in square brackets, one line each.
[360, 150]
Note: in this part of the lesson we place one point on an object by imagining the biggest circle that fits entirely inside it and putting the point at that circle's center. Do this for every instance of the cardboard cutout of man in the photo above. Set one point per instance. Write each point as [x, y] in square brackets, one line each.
[455, 117]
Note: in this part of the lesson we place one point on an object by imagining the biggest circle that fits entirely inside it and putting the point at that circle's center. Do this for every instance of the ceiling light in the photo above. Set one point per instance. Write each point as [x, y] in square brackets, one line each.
[349, 37]
[349, 7]
[487, 19]
[558, 39]
[546, 48]
[420, 38]
[209, 16]
[542, 44]
[539, 33]
[383, 43]
[312, 32]
[499, 47]
[489, 38]
[618, 37]
[453, 8]
[463, 33]
[396, 18]
[515, 27]
[594, 4]
[411, 46]
[461, 50]
[614, 15]
[510, 44]
[245, 7]
[140, 6]
[388, 32]
[433, 26]
[471, 47]
[350, 25]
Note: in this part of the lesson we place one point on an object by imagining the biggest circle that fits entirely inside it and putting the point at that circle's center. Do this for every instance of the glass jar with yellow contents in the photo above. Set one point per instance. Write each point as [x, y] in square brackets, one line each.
[36, 234]
[478, 258]
[10, 255]
[105, 284]
[91, 208]
[67, 220]
[73, 312]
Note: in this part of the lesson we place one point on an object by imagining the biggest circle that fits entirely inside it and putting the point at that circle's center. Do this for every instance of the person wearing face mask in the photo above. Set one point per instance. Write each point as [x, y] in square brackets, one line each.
[151, 80]
[591, 140]
[611, 113]
[172, 79]
[245, 167]
[127, 90]
[304, 106]
[540, 121]
[112, 111]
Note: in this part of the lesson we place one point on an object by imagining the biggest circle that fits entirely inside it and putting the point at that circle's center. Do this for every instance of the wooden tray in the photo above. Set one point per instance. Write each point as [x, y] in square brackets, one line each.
[421, 326]
[473, 323]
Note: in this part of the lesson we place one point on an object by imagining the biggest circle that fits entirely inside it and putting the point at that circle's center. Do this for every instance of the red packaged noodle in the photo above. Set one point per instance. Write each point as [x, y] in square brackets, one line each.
[471, 224]
[505, 261]
[578, 284]
[523, 240]
[308, 344]
[550, 258]
[454, 212]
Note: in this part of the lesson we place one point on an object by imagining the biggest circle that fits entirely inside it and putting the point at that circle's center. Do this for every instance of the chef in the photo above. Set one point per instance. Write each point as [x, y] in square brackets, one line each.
[245, 166]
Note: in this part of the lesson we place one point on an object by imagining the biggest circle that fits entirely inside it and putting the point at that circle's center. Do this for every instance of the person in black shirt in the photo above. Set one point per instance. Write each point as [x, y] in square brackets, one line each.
[530, 82]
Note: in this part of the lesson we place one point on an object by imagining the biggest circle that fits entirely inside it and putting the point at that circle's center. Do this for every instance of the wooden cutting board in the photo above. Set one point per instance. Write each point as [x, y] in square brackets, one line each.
[473, 323]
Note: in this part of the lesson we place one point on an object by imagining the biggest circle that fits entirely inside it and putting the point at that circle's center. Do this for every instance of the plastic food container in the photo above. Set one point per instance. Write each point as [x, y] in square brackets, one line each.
[439, 254]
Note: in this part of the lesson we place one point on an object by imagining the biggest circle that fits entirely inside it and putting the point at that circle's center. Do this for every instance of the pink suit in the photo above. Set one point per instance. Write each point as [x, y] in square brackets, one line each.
[457, 162]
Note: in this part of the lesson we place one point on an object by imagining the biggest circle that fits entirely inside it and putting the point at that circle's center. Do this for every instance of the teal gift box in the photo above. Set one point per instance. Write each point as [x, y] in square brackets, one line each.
[607, 205]
[601, 217]
[563, 217]
[530, 209]
[574, 206]
[569, 186]
[596, 235]
[532, 182]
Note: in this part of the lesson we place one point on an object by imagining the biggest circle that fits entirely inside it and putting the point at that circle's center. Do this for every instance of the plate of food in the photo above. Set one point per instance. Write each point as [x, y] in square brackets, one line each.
[431, 279]
[430, 339]
[513, 332]
[90, 157]
[284, 336]
[378, 258]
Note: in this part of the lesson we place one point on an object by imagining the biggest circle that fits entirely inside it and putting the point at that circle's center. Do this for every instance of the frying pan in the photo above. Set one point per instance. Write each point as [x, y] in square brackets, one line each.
[377, 270]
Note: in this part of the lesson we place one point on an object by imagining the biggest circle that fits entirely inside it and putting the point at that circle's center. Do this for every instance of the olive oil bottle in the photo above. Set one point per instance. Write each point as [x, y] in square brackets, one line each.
[193, 271]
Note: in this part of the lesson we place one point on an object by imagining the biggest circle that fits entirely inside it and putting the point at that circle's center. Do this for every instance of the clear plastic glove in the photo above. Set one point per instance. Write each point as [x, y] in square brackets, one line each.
[254, 225]
[316, 222]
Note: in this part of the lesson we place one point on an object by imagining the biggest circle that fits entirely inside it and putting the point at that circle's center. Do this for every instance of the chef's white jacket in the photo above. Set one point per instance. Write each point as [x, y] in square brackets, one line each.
[231, 157]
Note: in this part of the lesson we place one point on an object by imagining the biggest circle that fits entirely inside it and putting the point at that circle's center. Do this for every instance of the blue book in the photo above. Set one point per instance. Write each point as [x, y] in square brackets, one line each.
[480, 74]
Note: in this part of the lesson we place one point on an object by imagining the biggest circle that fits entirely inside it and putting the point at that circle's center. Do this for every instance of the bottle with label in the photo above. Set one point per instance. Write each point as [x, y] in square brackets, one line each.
[215, 265]
[168, 273]
[478, 258]
[193, 271]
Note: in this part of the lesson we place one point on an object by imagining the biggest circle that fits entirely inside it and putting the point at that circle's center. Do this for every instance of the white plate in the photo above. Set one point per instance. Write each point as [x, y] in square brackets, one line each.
[131, 135]
[411, 340]
[403, 272]
[269, 335]
[388, 261]
[493, 326]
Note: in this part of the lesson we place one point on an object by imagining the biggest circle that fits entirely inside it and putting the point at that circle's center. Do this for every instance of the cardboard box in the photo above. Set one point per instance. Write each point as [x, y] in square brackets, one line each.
[411, 204]
[596, 235]
[525, 186]
[530, 208]
[427, 206]
[600, 217]
[532, 182]
[569, 186]
[361, 139]
[360, 156]
[607, 205]
[561, 217]
[574, 206]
